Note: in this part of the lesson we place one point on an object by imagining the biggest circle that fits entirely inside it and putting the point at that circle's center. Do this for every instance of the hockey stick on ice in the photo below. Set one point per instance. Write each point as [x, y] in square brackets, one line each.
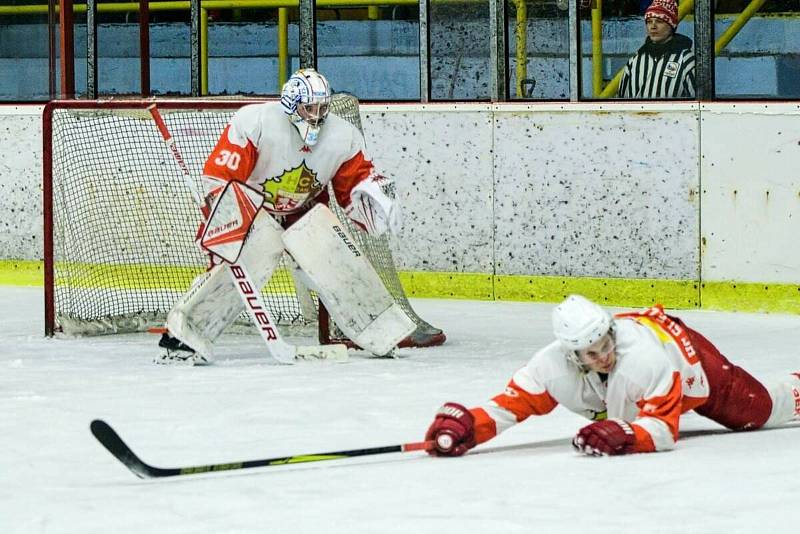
[249, 292]
[114, 444]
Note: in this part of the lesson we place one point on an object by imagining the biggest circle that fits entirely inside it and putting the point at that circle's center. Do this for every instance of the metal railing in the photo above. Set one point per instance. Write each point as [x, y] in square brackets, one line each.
[282, 7]
[282, 27]
[599, 90]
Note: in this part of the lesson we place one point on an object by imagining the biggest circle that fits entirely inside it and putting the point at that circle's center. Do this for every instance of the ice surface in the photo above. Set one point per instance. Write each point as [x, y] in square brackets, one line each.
[57, 478]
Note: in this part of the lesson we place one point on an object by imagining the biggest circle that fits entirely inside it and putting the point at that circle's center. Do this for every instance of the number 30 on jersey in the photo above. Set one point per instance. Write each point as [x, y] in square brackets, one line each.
[228, 159]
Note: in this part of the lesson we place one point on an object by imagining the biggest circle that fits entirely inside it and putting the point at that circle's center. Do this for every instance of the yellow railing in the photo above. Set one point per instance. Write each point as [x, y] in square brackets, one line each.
[731, 31]
[597, 46]
[521, 27]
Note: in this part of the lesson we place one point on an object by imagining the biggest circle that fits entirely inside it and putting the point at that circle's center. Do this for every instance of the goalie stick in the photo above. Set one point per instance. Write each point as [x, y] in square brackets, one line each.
[252, 299]
[108, 437]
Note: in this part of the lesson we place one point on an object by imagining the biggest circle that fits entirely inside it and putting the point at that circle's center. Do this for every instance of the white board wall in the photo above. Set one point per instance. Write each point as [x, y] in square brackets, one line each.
[611, 190]
[750, 168]
[20, 182]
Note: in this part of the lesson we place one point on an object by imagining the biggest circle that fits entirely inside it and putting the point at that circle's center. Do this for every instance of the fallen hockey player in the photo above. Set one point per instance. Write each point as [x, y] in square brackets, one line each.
[633, 374]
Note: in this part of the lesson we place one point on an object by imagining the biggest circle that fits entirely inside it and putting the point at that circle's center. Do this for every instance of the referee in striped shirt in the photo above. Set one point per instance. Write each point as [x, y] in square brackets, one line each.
[664, 66]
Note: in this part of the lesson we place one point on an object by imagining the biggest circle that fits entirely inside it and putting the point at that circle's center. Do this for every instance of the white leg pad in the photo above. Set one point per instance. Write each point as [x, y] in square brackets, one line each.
[393, 319]
[213, 302]
[346, 282]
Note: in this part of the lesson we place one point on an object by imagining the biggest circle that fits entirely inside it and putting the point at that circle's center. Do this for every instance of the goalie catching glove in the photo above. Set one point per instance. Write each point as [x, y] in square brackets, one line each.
[373, 209]
[605, 438]
[453, 431]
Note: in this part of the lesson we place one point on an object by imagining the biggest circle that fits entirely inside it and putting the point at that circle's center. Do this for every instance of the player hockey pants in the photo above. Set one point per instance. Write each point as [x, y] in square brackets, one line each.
[736, 399]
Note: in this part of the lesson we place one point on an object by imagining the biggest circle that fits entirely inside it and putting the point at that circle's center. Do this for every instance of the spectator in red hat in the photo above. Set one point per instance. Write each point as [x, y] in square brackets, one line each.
[664, 65]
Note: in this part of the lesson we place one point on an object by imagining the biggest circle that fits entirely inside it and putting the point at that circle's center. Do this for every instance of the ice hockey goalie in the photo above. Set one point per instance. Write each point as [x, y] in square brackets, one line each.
[290, 151]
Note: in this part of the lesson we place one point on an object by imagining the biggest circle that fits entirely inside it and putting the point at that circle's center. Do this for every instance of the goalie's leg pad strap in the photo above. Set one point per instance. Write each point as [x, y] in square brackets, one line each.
[346, 282]
[213, 302]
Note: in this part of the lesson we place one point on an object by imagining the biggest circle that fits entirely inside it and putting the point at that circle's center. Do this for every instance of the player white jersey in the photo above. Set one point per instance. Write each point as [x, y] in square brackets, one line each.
[656, 377]
[261, 147]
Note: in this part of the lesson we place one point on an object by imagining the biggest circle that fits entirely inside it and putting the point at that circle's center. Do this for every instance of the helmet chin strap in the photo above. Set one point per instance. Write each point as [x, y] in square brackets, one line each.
[309, 134]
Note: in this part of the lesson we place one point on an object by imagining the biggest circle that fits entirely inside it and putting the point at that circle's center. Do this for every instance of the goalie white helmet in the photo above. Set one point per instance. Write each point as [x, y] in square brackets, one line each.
[579, 323]
[306, 98]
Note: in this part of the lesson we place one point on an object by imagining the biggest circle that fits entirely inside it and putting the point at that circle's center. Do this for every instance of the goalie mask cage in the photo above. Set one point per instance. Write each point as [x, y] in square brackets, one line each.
[120, 223]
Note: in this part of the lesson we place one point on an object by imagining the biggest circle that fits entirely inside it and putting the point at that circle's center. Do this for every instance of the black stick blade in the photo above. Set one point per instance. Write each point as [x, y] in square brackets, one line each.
[114, 444]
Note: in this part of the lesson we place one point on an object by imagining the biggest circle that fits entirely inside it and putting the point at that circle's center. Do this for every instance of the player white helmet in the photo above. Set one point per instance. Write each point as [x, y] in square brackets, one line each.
[306, 98]
[578, 323]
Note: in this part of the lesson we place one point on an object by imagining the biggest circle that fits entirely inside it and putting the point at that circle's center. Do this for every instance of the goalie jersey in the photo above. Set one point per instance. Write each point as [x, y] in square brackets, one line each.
[656, 378]
[261, 147]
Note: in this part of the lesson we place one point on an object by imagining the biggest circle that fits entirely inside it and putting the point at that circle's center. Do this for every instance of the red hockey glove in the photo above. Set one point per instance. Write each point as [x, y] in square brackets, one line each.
[453, 430]
[605, 438]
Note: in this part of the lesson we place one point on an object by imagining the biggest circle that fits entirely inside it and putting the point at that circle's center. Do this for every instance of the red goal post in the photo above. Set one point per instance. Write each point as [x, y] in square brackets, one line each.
[119, 221]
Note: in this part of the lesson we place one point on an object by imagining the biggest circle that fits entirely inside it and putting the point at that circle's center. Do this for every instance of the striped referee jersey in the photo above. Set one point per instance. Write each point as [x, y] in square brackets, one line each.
[660, 71]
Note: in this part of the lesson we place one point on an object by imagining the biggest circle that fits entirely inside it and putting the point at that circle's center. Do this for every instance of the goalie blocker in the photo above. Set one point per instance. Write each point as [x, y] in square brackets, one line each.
[346, 282]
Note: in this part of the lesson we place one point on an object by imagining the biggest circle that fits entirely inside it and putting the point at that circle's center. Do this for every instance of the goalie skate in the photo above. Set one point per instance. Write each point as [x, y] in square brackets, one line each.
[174, 352]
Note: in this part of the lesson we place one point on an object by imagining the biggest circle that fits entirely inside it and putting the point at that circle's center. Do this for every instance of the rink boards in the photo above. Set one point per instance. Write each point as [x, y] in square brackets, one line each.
[687, 204]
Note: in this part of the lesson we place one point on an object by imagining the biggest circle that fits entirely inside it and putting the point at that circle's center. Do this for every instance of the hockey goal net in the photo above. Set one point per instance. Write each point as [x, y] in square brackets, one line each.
[120, 222]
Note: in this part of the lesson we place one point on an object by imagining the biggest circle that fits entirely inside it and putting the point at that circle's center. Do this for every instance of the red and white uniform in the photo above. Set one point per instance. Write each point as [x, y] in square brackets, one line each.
[663, 369]
[262, 148]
